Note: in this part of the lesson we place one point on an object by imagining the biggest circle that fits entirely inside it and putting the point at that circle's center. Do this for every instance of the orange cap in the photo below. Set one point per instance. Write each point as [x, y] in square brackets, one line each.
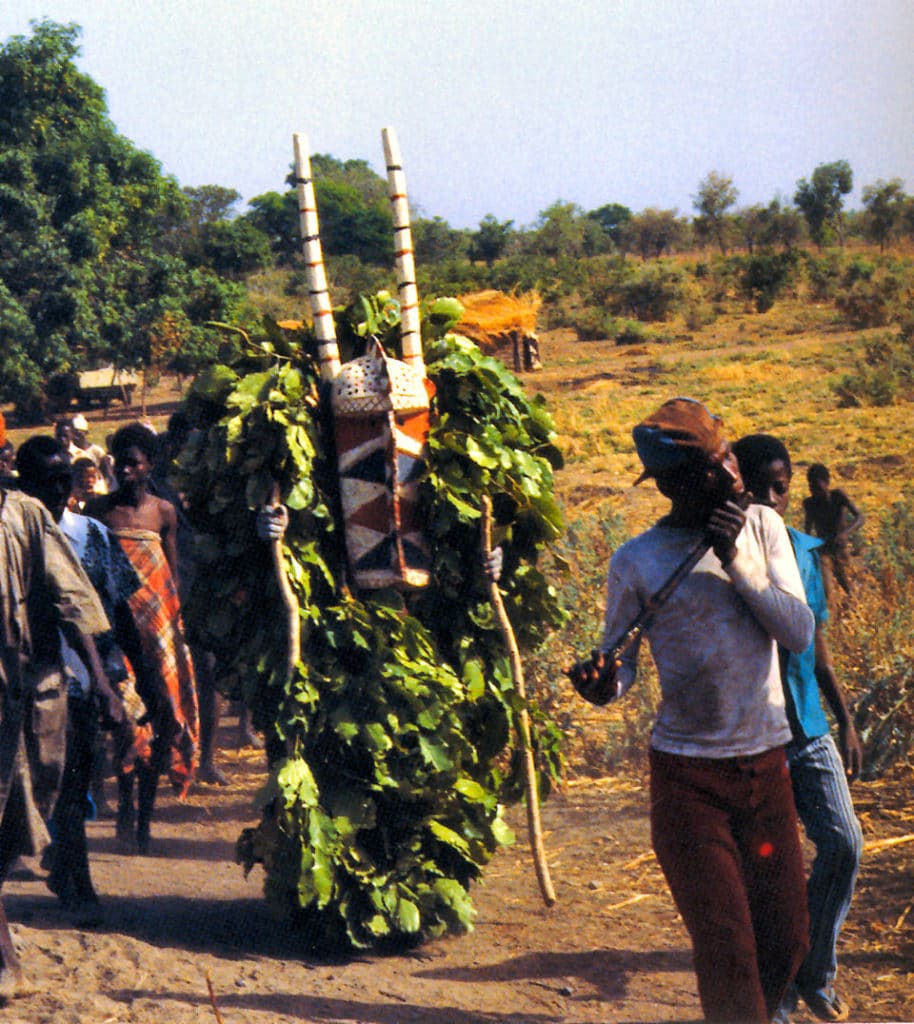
[664, 438]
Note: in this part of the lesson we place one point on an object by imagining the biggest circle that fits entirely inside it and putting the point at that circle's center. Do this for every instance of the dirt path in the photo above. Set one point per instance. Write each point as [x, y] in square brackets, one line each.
[612, 949]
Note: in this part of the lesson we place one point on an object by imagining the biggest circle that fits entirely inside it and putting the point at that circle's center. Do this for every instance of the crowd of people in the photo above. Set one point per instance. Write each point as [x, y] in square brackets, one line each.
[95, 669]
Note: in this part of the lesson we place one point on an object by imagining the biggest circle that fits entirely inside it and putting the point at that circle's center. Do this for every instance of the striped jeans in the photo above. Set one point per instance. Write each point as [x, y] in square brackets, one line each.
[824, 806]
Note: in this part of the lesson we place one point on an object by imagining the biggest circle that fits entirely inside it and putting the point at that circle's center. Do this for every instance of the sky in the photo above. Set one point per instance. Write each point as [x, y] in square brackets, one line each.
[505, 108]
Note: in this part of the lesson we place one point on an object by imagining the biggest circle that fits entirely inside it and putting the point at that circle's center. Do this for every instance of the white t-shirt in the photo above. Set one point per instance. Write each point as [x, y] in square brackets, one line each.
[715, 640]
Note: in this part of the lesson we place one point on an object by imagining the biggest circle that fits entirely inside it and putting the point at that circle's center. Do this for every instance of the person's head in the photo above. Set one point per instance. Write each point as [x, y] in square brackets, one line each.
[176, 435]
[765, 465]
[819, 479]
[80, 426]
[134, 449]
[85, 478]
[7, 458]
[63, 431]
[683, 447]
[45, 472]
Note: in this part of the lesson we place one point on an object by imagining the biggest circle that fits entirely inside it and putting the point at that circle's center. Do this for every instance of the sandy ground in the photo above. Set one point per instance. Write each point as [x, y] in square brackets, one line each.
[611, 949]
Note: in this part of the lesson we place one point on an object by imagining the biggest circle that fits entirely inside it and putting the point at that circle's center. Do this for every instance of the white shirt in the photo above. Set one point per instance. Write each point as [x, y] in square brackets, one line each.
[715, 640]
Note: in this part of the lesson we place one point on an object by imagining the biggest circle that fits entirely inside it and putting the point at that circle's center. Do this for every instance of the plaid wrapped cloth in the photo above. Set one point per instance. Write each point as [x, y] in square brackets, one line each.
[168, 669]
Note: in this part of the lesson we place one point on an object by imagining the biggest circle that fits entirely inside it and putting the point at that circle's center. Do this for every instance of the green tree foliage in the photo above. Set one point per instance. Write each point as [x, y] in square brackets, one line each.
[84, 272]
[767, 274]
[490, 241]
[387, 746]
[653, 232]
[884, 203]
[612, 218]
[560, 230]
[350, 227]
[435, 241]
[352, 207]
[233, 248]
[276, 216]
[716, 194]
[821, 200]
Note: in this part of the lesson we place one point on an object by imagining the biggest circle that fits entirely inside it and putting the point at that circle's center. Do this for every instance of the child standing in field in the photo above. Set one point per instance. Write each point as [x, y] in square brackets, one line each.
[819, 770]
[830, 514]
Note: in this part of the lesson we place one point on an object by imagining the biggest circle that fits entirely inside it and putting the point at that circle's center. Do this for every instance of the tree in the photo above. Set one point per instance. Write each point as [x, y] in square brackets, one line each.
[560, 230]
[821, 200]
[350, 226]
[352, 206]
[209, 203]
[612, 218]
[435, 240]
[491, 240]
[884, 203]
[653, 232]
[233, 248]
[752, 222]
[276, 215]
[716, 194]
[85, 272]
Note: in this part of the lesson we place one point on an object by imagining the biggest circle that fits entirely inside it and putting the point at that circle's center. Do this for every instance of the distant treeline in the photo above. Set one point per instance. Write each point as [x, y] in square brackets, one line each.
[103, 259]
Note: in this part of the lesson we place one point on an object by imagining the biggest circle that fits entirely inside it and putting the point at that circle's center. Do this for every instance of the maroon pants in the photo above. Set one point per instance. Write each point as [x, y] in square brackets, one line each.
[725, 834]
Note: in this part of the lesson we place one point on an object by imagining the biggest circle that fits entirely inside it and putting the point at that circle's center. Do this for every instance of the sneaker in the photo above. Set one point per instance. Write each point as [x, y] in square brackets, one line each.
[826, 1004]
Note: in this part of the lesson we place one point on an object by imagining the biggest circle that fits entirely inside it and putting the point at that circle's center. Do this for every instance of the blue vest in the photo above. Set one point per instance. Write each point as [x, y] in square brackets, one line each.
[800, 675]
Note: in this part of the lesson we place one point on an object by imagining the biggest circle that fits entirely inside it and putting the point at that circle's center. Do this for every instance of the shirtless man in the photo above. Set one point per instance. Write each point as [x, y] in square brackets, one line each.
[146, 528]
[830, 514]
[131, 506]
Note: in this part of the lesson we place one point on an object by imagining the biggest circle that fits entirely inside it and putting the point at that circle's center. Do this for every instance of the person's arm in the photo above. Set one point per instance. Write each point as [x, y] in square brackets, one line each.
[169, 534]
[766, 577]
[851, 750]
[84, 645]
[849, 527]
[808, 523]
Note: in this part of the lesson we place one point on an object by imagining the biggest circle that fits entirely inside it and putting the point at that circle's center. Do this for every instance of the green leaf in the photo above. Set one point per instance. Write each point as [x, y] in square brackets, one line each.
[474, 678]
[449, 836]
[408, 918]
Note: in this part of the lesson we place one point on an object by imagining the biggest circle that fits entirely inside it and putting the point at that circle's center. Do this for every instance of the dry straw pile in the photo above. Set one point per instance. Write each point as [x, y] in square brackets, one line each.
[490, 317]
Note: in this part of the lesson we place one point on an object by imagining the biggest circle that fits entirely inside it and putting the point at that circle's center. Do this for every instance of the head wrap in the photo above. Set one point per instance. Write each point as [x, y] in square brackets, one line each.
[80, 422]
[670, 437]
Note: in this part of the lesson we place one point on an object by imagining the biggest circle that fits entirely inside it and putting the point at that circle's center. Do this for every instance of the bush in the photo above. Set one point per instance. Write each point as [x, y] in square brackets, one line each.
[653, 292]
[766, 275]
[884, 373]
[823, 275]
[869, 301]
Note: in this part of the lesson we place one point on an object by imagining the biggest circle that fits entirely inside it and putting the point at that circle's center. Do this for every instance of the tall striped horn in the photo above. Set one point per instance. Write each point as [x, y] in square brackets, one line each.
[327, 350]
[403, 251]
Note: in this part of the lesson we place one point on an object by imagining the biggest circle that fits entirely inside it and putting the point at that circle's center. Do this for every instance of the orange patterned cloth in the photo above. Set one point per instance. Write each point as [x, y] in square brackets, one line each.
[167, 664]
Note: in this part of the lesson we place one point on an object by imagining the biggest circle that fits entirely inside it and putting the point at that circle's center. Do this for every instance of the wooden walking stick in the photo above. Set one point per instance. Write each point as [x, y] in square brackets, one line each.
[523, 722]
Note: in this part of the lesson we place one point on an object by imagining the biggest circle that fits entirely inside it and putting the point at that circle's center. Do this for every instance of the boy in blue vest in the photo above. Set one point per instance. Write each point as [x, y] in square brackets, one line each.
[818, 772]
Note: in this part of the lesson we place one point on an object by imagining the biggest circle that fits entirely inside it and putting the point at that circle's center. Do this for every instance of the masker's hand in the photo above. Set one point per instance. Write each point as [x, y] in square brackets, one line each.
[595, 678]
[271, 522]
[723, 528]
[492, 565]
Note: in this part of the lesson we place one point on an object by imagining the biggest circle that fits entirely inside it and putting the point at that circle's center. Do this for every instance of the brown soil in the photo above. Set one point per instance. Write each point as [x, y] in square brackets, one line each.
[611, 949]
